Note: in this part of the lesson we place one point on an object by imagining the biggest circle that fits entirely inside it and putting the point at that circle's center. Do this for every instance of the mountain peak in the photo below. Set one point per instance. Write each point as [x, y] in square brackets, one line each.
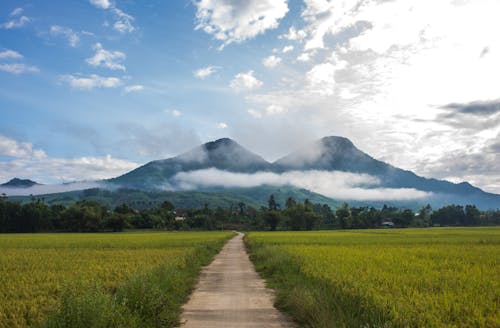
[19, 183]
[223, 142]
[337, 141]
[328, 153]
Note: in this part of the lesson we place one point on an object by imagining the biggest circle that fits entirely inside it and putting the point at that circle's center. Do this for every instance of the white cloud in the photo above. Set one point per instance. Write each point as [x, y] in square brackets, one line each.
[176, 113]
[27, 161]
[236, 21]
[16, 12]
[254, 113]
[10, 54]
[92, 81]
[221, 125]
[321, 78]
[304, 57]
[102, 4]
[15, 23]
[205, 72]
[334, 184]
[287, 49]
[18, 68]
[66, 32]
[13, 148]
[380, 72]
[133, 88]
[275, 109]
[123, 23]
[245, 81]
[294, 34]
[106, 58]
[271, 61]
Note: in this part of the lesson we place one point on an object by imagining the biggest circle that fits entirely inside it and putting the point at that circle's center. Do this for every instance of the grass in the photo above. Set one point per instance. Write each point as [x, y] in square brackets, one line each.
[384, 278]
[100, 280]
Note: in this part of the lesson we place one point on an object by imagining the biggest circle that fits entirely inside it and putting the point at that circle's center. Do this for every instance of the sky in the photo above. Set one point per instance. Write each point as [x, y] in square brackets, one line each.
[91, 89]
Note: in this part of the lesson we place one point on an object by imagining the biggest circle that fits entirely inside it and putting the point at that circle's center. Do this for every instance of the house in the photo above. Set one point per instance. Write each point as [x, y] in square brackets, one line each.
[388, 224]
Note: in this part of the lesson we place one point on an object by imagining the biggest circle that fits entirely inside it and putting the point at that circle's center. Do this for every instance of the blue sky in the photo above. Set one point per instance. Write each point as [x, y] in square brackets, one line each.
[93, 88]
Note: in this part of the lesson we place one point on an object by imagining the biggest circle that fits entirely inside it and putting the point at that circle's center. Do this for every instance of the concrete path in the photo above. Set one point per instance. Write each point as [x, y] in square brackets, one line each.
[230, 293]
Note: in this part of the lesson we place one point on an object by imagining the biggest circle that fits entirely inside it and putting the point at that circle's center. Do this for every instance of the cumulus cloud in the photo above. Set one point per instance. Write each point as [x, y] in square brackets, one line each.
[271, 61]
[287, 49]
[133, 88]
[321, 78]
[205, 72]
[67, 33]
[382, 74]
[103, 4]
[29, 161]
[105, 58]
[91, 82]
[337, 185]
[293, 34]
[236, 21]
[12, 148]
[18, 68]
[245, 81]
[10, 54]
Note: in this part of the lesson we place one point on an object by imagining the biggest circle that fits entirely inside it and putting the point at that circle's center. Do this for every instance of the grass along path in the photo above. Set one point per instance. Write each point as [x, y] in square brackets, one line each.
[100, 280]
[384, 278]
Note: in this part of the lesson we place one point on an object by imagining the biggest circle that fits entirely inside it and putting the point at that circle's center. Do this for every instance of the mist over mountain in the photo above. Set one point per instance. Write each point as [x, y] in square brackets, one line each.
[332, 168]
[223, 154]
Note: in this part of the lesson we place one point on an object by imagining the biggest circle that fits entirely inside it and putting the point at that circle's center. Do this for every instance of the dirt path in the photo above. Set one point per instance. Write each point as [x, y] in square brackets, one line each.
[230, 293]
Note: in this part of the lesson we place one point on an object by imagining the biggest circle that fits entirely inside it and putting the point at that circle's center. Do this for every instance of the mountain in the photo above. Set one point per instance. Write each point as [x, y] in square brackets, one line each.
[340, 154]
[223, 154]
[174, 179]
[19, 183]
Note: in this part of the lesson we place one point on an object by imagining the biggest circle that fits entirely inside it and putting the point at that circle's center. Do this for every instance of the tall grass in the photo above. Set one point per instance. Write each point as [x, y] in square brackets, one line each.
[389, 278]
[109, 280]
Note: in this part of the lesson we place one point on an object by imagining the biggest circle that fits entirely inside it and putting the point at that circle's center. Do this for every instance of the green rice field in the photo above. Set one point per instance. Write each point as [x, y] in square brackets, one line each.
[100, 279]
[438, 277]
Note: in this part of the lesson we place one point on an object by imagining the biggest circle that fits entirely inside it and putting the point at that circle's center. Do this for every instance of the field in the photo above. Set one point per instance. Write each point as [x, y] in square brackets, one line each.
[100, 279]
[384, 278]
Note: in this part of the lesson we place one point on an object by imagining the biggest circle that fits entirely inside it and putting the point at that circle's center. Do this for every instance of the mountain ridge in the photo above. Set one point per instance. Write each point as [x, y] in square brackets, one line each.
[328, 154]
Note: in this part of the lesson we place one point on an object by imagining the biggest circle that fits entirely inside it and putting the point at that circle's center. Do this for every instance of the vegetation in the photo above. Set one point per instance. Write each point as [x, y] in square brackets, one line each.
[92, 216]
[100, 280]
[441, 277]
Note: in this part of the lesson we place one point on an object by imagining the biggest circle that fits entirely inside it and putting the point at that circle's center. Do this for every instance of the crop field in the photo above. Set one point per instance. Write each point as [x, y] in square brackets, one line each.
[439, 277]
[45, 277]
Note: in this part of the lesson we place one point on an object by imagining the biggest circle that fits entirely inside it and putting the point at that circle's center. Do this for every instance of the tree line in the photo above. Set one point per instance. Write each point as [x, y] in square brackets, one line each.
[91, 216]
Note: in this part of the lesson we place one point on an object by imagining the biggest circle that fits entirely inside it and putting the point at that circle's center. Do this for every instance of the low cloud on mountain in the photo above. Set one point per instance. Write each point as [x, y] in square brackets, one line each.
[334, 184]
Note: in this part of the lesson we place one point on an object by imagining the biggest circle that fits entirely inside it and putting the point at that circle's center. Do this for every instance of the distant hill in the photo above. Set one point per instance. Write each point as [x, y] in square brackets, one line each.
[19, 183]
